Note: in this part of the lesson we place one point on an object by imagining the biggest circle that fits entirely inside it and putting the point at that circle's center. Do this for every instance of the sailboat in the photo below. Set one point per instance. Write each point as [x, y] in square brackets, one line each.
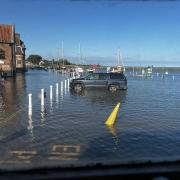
[120, 66]
[78, 70]
[62, 51]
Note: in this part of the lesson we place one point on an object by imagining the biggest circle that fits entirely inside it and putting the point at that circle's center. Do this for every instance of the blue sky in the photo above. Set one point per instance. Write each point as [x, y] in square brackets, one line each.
[146, 32]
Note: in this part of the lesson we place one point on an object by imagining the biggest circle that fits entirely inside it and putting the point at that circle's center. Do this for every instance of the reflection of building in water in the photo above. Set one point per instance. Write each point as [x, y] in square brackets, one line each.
[1, 105]
[12, 93]
[12, 51]
[20, 83]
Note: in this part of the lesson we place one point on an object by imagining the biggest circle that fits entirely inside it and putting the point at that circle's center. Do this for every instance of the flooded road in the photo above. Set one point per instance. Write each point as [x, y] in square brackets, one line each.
[70, 130]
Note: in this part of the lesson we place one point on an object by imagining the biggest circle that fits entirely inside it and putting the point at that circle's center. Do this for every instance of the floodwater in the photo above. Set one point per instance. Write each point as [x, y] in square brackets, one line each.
[70, 129]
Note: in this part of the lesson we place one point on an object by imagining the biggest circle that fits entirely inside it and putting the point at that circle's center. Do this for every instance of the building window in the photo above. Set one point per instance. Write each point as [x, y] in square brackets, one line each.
[18, 61]
[2, 54]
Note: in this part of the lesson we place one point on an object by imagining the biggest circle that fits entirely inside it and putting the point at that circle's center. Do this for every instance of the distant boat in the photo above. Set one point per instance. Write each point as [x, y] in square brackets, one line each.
[117, 69]
[166, 73]
[120, 67]
[89, 70]
[79, 71]
[149, 71]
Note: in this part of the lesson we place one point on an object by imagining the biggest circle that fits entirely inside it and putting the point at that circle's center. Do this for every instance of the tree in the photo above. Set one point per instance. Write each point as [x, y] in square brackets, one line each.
[64, 62]
[34, 59]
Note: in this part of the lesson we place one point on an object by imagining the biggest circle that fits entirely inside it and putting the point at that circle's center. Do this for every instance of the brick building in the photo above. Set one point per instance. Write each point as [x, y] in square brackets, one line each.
[12, 51]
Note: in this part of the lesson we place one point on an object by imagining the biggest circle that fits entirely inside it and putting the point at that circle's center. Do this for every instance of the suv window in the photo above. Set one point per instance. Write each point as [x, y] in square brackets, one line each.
[93, 76]
[103, 76]
[117, 76]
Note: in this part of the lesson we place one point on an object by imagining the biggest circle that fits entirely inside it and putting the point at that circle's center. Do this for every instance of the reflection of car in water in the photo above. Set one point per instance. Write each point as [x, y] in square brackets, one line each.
[99, 95]
[110, 81]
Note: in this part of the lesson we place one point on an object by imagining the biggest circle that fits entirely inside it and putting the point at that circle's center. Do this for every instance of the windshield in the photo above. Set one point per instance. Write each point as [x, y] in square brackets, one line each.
[47, 121]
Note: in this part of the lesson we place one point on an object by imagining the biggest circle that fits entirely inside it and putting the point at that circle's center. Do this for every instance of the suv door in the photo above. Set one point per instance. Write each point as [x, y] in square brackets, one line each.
[118, 79]
[96, 80]
[91, 80]
[103, 79]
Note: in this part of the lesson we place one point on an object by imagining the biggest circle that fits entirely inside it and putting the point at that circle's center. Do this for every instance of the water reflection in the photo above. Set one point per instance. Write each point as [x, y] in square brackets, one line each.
[99, 95]
[80, 118]
[57, 100]
[112, 130]
[62, 92]
[51, 105]
[11, 96]
[30, 124]
[114, 135]
[43, 114]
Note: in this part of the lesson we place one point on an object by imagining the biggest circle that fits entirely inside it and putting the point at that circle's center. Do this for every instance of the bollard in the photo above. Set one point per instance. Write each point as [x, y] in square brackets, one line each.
[30, 105]
[30, 100]
[111, 120]
[57, 88]
[51, 91]
[42, 97]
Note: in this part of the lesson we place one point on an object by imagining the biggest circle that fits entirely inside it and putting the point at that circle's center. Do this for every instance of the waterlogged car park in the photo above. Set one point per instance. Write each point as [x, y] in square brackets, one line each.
[109, 81]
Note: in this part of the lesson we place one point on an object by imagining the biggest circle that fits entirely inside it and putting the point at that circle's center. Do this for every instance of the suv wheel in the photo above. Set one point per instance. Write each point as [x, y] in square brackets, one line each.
[78, 87]
[112, 88]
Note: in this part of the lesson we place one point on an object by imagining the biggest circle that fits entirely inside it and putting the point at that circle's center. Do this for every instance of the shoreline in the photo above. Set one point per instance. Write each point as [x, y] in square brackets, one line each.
[157, 69]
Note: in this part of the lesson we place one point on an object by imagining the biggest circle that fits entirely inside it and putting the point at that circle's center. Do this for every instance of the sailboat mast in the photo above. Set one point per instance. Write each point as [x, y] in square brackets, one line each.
[79, 53]
[118, 57]
[121, 59]
[62, 51]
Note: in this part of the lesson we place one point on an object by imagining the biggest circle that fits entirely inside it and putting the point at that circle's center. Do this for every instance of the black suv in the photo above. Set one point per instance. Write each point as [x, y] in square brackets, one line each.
[110, 81]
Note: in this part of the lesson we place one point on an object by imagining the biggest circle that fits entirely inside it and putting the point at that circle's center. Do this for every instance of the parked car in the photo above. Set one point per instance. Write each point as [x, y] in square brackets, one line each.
[110, 81]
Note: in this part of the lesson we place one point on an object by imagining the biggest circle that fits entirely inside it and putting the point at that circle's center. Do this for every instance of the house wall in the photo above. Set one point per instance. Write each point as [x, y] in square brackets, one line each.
[14, 60]
[8, 65]
[20, 67]
[20, 54]
[7, 44]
